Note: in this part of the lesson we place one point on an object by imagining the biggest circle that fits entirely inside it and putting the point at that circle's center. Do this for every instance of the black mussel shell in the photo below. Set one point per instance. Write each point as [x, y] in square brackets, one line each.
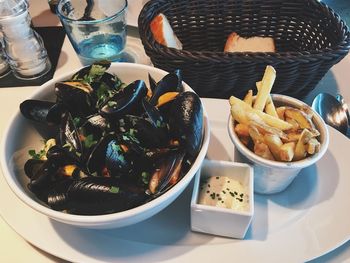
[42, 111]
[152, 82]
[41, 177]
[147, 134]
[186, 121]
[77, 97]
[125, 101]
[167, 172]
[32, 166]
[69, 135]
[169, 83]
[100, 195]
[154, 116]
[60, 156]
[57, 197]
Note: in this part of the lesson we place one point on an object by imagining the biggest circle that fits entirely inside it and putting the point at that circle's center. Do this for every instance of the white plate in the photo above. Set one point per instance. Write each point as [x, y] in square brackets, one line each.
[134, 8]
[308, 220]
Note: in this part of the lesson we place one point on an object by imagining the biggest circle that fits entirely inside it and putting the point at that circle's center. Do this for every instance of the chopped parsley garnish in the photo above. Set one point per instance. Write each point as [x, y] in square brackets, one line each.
[114, 190]
[145, 177]
[112, 104]
[35, 155]
[89, 141]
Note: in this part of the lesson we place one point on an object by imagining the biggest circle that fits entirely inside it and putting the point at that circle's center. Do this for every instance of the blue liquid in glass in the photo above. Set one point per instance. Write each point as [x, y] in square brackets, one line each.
[101, 47]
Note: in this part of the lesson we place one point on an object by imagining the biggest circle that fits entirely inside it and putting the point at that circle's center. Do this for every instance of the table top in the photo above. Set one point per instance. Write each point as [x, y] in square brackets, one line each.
[13, 247]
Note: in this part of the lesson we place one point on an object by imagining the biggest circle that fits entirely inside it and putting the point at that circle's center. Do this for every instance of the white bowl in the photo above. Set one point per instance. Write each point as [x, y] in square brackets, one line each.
[274, 176]
[20, 136]
[222, 221]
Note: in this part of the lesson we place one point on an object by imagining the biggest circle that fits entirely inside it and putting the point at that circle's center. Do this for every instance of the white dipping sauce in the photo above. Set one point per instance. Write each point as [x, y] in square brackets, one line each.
[223, 191]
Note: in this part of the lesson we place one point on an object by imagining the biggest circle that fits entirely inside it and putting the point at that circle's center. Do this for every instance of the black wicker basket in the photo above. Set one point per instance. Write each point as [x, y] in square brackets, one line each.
[309, 37]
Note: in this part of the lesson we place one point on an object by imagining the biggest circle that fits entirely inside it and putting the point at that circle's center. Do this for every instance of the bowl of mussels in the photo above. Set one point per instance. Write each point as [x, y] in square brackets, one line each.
[106, 146]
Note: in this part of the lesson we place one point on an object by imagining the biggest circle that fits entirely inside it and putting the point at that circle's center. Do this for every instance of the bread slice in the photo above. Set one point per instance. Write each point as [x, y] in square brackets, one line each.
[163, 33]
[235, 43]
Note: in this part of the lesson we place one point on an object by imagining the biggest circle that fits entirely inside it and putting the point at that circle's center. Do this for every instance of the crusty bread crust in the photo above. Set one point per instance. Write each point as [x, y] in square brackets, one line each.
[235, 43]
[163, 33]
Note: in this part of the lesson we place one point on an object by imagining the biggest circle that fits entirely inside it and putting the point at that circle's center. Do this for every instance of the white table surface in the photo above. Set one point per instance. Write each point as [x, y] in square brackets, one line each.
[13, 247]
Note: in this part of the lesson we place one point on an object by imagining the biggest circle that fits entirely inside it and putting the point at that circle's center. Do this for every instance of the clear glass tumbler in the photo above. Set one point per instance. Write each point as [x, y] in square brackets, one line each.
[96, 28]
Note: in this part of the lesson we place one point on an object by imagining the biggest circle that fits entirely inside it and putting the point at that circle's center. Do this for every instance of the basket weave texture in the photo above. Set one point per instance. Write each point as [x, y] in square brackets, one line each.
[309, 38]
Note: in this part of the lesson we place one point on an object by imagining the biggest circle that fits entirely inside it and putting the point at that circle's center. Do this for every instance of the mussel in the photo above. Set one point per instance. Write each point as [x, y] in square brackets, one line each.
[45, 112]
[117, 146]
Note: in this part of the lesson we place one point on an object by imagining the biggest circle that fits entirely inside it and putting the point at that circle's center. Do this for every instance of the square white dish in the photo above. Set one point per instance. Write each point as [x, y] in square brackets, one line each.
[222, 221]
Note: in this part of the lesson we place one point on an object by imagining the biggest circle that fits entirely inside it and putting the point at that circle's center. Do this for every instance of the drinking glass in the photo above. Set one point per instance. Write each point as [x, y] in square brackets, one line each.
[96, 28]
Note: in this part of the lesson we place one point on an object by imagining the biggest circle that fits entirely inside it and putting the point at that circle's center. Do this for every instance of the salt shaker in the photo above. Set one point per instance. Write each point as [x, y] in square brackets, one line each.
[4, 66]
[24, 48]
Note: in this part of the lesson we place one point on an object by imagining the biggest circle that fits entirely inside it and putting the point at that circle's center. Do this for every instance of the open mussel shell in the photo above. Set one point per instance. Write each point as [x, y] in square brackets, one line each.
[41, 174]
[45, 112]
[69, 134]
[77, 97]
[146, 133]
[60, 156]
[167, 172]
[186, 121]
[171, 82]
[126, 100]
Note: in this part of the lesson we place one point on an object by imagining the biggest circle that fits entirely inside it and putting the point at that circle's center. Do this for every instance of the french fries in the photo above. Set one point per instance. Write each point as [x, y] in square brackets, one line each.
[279, 133]
[269, 107]
[241, 112]
[266, 86]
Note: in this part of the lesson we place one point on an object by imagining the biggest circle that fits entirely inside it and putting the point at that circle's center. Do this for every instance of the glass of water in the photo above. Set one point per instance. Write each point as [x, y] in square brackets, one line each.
[96, 28]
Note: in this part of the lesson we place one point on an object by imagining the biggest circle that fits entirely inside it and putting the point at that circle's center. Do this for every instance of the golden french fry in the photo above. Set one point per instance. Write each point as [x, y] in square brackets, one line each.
[238, 113]
[287, 151]
[293, 136]
[300, 148]
[263, 151]
[295, 124]
[300, 117]
[240, 110]
[269, 106]
[266, 129]
[242, 129]
[249, 98]
[255, 134]
[280, 112]
[266, 86]
[274, 143]
[313, 146]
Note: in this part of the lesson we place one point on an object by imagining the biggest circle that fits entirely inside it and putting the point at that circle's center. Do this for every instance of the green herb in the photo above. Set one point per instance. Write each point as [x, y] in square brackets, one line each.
[37, 156]
[97, 70]
[112, 104]
[145, 177]
[89, 141]
[114, 190]
[76, 121]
